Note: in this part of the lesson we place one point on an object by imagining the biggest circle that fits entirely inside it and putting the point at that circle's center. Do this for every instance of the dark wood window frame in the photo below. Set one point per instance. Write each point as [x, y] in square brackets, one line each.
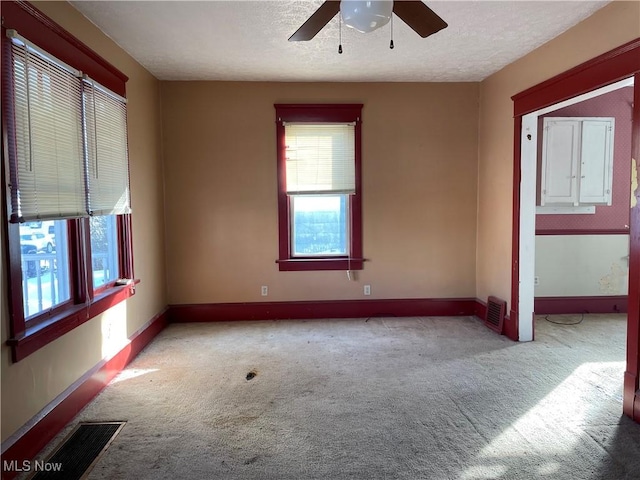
[319, 113]
[27, 336]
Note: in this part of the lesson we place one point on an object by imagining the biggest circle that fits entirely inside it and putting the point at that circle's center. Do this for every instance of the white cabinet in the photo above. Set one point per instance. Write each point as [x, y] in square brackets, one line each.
[577, 161]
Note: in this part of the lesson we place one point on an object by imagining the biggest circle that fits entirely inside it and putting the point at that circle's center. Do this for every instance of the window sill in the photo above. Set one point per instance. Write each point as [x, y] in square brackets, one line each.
[38, 336]
[309, 264]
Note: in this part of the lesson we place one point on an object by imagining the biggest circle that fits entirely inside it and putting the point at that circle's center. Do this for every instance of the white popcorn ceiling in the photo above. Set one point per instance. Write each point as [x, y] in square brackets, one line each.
[248, 40]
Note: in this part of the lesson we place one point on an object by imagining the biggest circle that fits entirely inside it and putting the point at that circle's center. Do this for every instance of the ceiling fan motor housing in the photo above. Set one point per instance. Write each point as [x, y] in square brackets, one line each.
[366, 16]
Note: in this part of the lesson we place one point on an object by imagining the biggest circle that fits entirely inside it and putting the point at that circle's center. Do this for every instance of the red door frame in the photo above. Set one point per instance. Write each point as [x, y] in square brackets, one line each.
[618, 64]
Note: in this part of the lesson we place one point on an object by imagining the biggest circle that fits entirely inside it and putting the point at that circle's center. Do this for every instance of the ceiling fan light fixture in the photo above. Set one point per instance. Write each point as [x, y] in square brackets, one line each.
[366, 16]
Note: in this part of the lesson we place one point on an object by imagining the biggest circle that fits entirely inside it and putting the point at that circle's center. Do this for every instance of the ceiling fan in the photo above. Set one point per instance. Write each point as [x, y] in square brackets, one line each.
[416, 14]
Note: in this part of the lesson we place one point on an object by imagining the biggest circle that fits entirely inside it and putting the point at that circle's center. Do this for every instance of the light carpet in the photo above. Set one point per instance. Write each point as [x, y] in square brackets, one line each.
[380, 398]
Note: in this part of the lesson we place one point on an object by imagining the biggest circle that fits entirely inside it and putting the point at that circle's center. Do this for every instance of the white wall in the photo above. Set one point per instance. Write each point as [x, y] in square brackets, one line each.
[582, 265]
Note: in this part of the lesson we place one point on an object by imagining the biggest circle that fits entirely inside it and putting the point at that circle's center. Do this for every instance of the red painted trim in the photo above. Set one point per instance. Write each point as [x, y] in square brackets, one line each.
[629, 395]
[511, 328]
[8, 121]
[632, 408]
[11, 231]
[78, 262]
[619, 63]
[14, 264]
[318, 113]
[480, 309]
[37, 336]
[30, 439]
[605, 69]
[302, 264]
[125, 237]
[34, 25]
[620, 231]
[84, 246]
[217, 312]
[560, 305]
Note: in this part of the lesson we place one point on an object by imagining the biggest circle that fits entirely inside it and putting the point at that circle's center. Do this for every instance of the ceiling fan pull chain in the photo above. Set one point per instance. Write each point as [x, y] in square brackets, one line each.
[391, 42]
[340, 33]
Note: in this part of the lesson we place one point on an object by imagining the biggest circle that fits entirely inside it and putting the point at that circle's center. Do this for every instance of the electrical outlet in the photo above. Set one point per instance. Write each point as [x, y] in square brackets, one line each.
[264, 291]
[536, 281]
[367, 289]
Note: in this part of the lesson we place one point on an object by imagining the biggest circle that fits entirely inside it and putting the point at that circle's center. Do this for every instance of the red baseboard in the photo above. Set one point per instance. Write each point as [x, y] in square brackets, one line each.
[480, 309]
[620, 231]
[567, 305]
[215, 312]
[40, 430]
[510, 328]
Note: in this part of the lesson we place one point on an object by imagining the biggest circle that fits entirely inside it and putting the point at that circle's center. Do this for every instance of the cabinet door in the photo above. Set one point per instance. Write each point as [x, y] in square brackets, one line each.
[560, 156]
[596, 162]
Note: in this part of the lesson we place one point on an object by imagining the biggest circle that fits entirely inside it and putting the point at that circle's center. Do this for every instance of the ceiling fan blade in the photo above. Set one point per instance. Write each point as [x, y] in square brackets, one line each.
[419, 17]
[316, 22]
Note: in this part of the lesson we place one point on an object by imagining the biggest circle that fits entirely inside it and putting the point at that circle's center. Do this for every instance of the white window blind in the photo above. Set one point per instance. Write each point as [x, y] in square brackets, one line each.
[47, 171]
[108, 162]
[320, 158]
[69, 154]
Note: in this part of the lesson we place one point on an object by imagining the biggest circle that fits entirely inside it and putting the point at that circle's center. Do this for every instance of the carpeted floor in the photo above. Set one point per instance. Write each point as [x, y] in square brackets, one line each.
[383, 398]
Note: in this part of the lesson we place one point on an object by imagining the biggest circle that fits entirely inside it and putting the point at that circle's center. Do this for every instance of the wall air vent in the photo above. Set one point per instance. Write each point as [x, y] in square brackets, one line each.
[496, 310]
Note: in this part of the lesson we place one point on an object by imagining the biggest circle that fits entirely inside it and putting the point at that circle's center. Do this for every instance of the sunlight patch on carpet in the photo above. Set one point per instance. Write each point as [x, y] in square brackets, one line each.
[538, 433]
[130, 373]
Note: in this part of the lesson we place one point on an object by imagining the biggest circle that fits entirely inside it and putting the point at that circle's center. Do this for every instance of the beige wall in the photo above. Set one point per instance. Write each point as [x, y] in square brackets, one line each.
[608, 28]
[32, 383]
[582, 265]
[419, 191]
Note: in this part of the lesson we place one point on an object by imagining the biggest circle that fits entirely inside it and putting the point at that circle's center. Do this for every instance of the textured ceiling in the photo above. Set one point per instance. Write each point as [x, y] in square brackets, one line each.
[247, 40]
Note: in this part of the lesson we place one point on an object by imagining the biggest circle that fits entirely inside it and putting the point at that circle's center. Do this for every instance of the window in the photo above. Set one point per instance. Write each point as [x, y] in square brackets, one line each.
[66, 180]
[46, 283]
[319, 187]
[104, 250]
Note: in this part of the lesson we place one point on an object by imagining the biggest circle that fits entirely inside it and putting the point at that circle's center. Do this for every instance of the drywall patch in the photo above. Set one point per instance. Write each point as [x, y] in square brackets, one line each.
[615, 281]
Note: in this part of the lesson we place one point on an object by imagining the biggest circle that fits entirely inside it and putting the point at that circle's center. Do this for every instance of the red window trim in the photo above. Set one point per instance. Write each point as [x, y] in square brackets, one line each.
[36, 337]
[319, 113]
[34, 25]
[47, 327]
[29, 336]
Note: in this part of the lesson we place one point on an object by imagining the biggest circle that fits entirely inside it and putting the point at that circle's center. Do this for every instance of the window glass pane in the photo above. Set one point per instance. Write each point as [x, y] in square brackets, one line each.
[45, 265]
[319, 225]
[104, 249]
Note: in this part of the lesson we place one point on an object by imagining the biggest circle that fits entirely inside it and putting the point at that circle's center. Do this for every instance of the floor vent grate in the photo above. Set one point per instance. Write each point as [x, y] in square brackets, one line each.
[496, 310]
[79, 452]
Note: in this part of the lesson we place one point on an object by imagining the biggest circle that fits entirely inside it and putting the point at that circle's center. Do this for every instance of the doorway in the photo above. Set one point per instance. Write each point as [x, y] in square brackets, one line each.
[604, 73]
[529, 200]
